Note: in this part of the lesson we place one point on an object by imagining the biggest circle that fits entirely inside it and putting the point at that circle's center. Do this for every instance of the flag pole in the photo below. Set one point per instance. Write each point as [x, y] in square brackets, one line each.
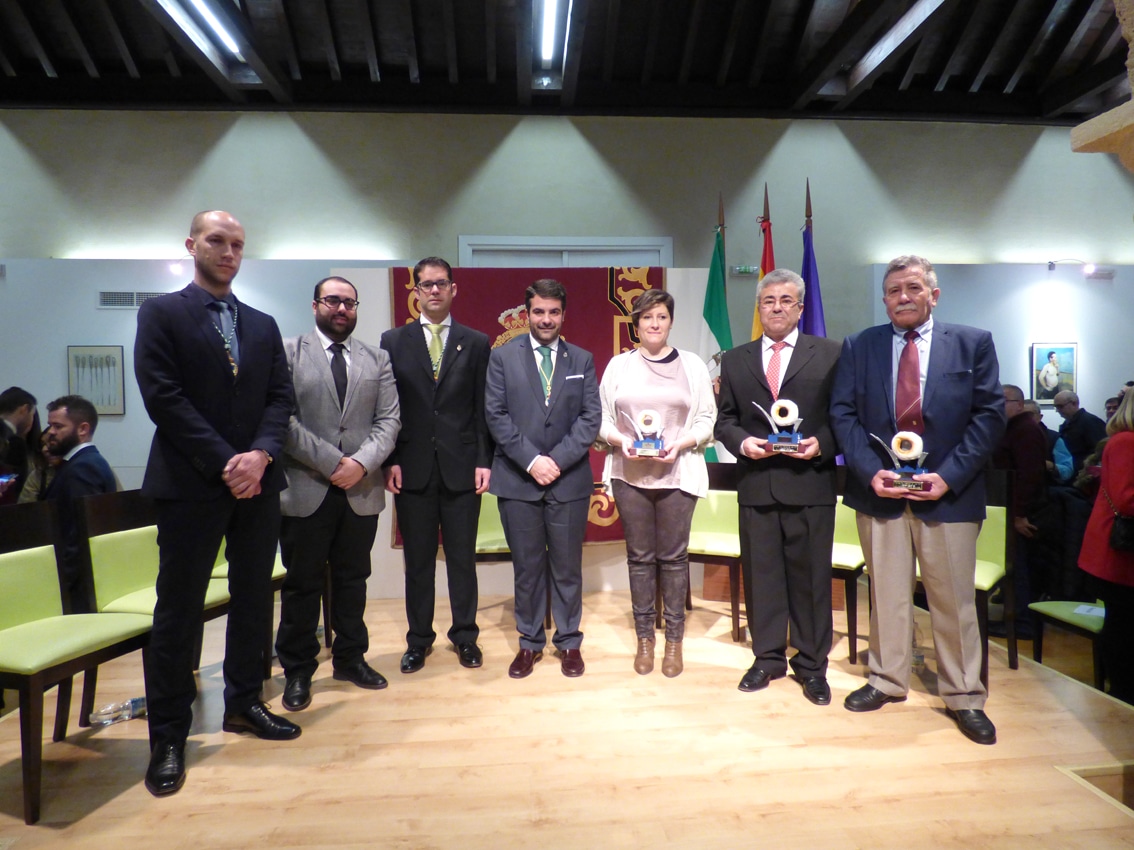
[807, 207]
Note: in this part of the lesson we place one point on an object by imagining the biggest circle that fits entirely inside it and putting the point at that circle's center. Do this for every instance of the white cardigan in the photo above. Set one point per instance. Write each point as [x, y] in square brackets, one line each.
[691, 471]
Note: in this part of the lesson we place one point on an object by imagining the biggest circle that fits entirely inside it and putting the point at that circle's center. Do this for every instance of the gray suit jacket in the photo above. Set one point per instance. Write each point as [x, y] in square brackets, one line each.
[366, 427]
[524, 427]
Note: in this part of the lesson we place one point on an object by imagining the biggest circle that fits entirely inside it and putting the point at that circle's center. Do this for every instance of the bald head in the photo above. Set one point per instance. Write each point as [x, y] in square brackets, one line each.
[216, 243]
[1066, 403]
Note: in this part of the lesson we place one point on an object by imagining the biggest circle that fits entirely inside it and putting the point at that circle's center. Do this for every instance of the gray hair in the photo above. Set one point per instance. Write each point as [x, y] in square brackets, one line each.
[912, 261]
[782, 276]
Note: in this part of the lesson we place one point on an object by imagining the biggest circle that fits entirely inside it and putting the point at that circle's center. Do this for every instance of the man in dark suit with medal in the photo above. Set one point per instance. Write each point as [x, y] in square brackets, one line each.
[215, 382]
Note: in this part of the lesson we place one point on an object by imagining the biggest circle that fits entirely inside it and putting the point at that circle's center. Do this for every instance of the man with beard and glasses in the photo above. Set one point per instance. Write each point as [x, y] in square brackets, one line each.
[345, 422]
[71, 423]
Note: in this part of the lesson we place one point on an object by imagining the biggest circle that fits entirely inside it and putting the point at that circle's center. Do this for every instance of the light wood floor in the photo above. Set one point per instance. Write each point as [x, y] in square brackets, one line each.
[455, 758]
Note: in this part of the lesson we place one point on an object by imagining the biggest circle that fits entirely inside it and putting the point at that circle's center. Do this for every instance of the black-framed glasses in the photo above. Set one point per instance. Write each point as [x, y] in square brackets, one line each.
[333, 302]
[441, 285]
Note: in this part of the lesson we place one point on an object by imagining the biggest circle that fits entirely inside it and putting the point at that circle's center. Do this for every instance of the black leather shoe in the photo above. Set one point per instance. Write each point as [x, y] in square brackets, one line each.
[816, 689]
[571, 663]
[297, 693]
[868, 698]
[756, 679]
[974, 724]
[470, 655]
[414, 658]
[261, 723]
[166, 773]
[361, 674]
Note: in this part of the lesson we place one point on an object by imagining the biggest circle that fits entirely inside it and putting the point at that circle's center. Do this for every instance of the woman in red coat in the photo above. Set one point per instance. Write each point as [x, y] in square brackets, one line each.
[1114, 569]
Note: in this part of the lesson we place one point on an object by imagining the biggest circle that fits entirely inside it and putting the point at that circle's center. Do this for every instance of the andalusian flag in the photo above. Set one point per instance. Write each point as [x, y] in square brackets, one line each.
[715, 310]
[767, 260]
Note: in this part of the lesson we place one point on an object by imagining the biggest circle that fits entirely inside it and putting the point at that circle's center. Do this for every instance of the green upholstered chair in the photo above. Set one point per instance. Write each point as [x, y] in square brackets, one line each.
[39, 645]
[714, 539]
[279, 573]
[1066, 615]
[847, 564]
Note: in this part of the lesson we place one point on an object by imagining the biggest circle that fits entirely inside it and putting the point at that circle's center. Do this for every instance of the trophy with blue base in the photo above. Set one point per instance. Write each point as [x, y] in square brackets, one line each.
[907, 452]
[648, 427]
[784, 415]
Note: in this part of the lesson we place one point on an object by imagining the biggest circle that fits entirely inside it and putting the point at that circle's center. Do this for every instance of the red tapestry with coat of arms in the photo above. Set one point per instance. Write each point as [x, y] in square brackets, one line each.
[597, 319]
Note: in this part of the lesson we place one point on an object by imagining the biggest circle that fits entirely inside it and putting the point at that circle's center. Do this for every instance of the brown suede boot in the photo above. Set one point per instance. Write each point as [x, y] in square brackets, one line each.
[672, 665]
[644, 660]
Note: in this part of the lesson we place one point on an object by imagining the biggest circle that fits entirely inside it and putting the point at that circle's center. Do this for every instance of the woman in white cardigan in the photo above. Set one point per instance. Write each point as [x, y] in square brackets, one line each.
[657, 389]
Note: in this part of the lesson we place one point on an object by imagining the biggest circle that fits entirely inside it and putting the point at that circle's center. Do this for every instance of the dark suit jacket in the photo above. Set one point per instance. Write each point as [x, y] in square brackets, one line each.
[86, 474]
[204, 415]
[807, 382]
[963, 409]
[524, 427]
[13, 461]
[442, 418]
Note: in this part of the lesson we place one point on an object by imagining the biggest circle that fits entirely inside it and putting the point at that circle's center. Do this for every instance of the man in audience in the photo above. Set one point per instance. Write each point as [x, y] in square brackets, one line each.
[1112, 406]
[938, 385]
[441, 462]
[1081, 430]
[787, 499]
[543, 410]
[345, 422]
[71, 423]
[17, 414]
[215, 382]
[1058, 461]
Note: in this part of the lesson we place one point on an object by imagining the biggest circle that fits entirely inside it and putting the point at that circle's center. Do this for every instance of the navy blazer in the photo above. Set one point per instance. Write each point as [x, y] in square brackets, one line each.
[524, 427]
[441, 418]
[204, 415]
[963, 409]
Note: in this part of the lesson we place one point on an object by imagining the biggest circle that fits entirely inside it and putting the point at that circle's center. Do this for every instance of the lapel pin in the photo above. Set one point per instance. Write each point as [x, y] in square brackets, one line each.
[458, 348]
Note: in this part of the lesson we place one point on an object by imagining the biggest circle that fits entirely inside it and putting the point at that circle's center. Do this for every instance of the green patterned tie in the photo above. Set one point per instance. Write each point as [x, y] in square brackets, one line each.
[546, 370]
[435, 347]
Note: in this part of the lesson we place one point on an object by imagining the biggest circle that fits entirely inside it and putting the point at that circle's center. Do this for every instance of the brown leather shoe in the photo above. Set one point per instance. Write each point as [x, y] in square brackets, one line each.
[672, 664]
[523, 663]
[571, 663]
[644, 660]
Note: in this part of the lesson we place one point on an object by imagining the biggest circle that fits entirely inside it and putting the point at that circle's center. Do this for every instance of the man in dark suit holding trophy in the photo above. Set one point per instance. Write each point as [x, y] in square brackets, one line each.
[773, 403]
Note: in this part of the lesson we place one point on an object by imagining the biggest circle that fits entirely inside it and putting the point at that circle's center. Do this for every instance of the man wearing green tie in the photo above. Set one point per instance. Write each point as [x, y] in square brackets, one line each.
[440, 465]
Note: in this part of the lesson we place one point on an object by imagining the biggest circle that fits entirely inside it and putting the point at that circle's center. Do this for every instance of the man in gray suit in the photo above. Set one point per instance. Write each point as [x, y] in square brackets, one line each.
[543, 410]
[345, 424]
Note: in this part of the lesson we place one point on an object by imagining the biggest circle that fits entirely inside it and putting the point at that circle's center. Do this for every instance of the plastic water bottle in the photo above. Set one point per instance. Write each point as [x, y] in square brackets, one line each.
[118, 711]
[918, 649]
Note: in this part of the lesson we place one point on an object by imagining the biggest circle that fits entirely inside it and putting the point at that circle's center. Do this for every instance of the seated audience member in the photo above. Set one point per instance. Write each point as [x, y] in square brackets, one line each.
[1081, 430]
[71, 423]
[1060, 466]
[1113, 569]
[18, 416]
[1111, 406]
[1022, 450]
[42, 472]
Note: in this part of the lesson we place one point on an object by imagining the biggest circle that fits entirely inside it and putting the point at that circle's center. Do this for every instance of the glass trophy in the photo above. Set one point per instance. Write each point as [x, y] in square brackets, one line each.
[784, 415]
[648, 427]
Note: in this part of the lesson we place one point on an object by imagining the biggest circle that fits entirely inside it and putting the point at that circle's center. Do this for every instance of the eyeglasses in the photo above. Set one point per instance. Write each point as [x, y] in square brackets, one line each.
[442, 285]
[333, 302]
[785, 302]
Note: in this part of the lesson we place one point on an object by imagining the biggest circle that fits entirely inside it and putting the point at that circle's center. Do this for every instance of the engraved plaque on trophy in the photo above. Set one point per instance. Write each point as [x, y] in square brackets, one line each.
[784, 415]
[907, 452]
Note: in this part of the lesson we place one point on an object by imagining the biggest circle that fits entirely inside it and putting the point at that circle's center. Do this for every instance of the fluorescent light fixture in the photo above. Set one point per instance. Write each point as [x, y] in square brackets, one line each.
[215, 25]
[547, 42]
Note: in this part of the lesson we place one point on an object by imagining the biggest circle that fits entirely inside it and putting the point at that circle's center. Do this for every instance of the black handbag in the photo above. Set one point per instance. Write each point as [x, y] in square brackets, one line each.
[1122, 532]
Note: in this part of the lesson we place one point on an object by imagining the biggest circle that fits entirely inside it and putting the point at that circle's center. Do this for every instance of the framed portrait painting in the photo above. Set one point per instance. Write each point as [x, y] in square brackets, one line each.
[1054, 368]
[96, 373]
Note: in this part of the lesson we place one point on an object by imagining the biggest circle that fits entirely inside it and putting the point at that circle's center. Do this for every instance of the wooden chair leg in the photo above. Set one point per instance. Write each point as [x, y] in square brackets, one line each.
[62, 709]
[1037, 644]
[31, 745]
[734, 598]
[86, 705]
[327, 603]
[850, 595]
[1097, 655]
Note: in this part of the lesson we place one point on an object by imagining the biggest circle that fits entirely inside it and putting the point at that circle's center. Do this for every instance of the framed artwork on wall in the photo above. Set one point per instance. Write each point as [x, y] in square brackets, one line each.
[96, 373]
[1054, 368]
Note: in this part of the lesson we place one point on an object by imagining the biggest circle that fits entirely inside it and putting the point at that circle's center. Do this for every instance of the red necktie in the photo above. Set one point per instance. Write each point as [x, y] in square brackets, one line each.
[907, 396]
[773, 374]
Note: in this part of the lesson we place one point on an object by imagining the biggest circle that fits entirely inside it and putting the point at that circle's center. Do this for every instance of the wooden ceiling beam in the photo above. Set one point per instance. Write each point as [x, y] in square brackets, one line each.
[76, 39]
[287, 39]
[842, 48]
[576, 26]
[524, 52]
[692, 31]
[1074, 43]
[116, 36]
[1053, 36]
[369, 39]
[1106, 41]
[763, 46]
[490, 40]
[239, 27]
[960, 37]
[409, 39]
[653, 36]
[732, 37]
[1015, 20]
[327, 32]
[610, 40]
[906, 32]
[449, 23]
[195, 43]
[16, 11]
[1063, 95]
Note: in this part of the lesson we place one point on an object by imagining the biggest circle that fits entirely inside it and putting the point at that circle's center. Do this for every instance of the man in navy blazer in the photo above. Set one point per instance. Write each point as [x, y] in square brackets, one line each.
[71, 423]
[543, 410]
[440, 465]
[215, 382]
[960, 418]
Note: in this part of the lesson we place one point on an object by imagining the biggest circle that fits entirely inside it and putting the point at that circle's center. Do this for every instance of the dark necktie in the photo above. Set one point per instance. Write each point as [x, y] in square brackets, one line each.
[338, 371]
[227, 330]
[907, 395]
[773, 373]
